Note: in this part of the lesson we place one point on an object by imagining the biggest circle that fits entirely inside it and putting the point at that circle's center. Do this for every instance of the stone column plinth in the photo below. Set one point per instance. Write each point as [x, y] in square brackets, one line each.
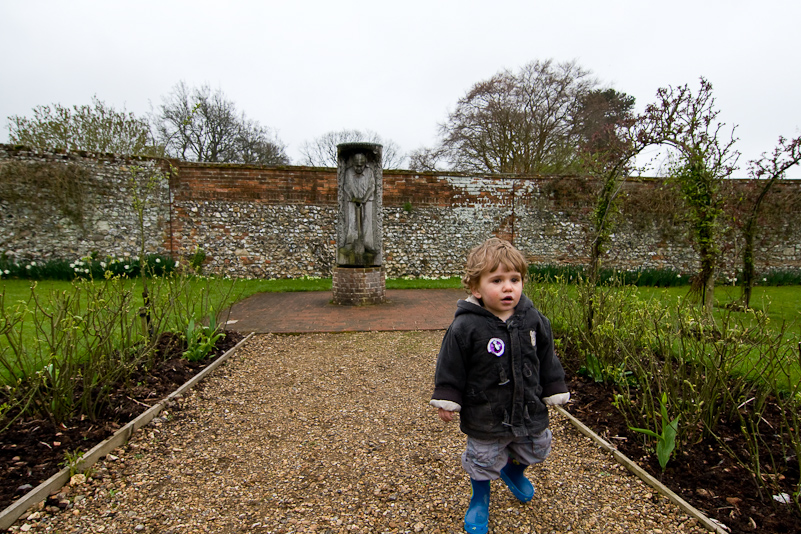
[356, 286]
[359, 277]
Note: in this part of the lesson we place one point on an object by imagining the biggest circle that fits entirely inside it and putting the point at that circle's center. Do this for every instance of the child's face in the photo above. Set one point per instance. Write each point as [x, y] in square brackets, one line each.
[500, 291]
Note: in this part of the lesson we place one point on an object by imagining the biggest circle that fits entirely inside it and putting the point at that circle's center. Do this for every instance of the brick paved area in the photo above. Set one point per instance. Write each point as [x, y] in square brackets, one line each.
[304, 312]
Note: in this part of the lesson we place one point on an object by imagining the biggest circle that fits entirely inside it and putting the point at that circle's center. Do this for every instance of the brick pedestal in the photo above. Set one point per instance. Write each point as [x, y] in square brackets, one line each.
[356, 286]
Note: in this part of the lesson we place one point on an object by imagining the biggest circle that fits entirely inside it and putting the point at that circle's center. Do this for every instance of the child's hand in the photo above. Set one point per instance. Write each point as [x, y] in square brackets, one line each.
[445, 415]
[557, 400]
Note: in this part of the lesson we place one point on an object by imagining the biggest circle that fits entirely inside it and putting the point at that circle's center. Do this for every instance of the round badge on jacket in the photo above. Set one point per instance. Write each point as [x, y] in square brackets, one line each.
[496, 346]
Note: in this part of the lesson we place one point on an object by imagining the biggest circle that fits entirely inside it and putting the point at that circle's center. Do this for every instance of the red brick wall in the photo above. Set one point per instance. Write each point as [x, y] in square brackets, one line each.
[294, 185]
[309, 185]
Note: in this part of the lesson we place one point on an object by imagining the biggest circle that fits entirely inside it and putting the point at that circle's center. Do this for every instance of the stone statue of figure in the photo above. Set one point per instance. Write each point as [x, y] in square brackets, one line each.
[359, 199]
[359, 188]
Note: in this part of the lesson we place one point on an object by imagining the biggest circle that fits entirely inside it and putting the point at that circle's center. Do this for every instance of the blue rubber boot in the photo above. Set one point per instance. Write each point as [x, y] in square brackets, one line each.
[513, 475]
[477, 517]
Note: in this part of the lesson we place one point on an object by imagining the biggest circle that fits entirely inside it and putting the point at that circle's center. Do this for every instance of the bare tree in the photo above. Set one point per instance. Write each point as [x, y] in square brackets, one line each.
[198, 124]
[322, 151]
[764, 173]
[524, 122]
[426, 159]
[688, 123]
[257, 144]
[94, 128]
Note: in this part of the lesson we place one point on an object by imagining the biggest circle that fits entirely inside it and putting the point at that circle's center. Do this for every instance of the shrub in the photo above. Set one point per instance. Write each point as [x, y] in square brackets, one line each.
[649, 277]
[88, 267]
[637, 277]
[659, 356]
[197, 259]
[788, 277]
[63, 352]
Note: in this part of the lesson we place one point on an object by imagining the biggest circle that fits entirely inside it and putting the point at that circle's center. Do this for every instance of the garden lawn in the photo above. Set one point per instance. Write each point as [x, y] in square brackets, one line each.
[782, 304]
[27, 307]
[33, 300]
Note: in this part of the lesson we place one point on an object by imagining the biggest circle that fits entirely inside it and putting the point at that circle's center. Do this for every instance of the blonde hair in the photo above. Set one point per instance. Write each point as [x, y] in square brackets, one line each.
[487, 256]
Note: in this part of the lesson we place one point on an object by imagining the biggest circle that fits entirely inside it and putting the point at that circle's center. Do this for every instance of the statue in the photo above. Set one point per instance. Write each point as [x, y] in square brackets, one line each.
[359, 188]
[359, 180]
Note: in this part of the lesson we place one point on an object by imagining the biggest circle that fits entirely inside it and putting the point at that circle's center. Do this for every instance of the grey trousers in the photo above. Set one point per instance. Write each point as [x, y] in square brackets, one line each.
[484, 459]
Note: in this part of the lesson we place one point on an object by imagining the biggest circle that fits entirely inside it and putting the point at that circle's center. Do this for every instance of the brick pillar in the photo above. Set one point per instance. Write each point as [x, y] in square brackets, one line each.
[357, 286]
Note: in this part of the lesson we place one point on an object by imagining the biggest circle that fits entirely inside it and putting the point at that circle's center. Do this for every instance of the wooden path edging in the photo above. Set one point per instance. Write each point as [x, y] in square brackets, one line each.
[15, 510]
[709, 524]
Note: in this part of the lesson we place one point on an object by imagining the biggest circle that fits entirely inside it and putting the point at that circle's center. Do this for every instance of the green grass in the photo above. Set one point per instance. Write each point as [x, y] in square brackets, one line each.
[20, 290]
[246, 288]
[18, 294]
[782, 304]
[242, 288]
[17, 298]
[453, 282]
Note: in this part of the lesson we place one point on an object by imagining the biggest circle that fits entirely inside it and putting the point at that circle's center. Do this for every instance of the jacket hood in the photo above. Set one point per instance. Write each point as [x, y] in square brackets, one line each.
[471, 305]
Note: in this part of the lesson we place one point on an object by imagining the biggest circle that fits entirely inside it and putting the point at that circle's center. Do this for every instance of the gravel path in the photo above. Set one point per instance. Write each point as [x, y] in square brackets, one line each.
[332, 433]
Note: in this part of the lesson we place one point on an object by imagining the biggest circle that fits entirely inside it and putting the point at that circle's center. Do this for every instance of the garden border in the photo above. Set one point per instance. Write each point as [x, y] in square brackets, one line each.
[642, 474]
[15, 510]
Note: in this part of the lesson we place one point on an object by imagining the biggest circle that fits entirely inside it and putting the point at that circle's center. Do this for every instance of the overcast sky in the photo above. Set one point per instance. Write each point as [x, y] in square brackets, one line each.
[305, 68]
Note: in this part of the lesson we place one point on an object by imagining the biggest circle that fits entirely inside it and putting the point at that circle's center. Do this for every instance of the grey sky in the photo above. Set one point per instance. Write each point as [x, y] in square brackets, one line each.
[305, 68]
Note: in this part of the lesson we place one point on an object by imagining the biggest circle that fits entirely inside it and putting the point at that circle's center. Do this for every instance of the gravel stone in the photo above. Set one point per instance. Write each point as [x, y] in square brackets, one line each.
[332, 433]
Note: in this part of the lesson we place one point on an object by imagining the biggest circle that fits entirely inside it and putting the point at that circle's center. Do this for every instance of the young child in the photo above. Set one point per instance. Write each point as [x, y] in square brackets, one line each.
[497, 367]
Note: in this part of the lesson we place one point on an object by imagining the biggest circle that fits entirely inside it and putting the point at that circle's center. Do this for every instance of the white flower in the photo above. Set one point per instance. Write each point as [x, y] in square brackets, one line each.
[176, 264]
[103, 264]
[158, 260]
[72, 265]
[783, 498]
[6, 271]
[33, 263]
[86, 271]
[28, 267]
[127, 266]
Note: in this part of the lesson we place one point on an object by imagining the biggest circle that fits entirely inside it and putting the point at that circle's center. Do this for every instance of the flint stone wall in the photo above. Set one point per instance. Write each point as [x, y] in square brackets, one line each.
[34, 227]
[280, 222]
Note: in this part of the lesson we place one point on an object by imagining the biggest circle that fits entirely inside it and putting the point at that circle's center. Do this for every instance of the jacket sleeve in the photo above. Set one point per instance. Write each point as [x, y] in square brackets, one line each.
[552, 375]
[451, 372]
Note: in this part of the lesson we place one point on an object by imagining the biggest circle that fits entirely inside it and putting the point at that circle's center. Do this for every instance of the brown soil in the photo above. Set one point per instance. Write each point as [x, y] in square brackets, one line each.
[33, 450]
[703, 475]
